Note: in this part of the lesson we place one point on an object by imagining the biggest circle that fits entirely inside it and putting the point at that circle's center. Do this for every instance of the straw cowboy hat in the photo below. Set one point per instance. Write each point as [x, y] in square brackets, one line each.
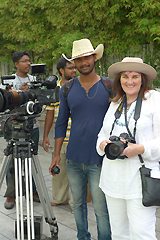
[132, 64]
[83, 47]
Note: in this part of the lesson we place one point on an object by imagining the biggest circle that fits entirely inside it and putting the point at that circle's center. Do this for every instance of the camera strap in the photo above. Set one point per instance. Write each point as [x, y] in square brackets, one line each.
[136, 115]
[117, 114]
[123, 104]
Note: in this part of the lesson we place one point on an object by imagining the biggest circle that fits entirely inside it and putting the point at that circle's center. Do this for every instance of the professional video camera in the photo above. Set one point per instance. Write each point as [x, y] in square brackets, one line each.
[19, 108]
[41, 85]
[114, 149]
[18, 112]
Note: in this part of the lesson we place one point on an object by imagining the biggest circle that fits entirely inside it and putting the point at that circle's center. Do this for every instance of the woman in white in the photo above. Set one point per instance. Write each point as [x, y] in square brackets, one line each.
[120, 178]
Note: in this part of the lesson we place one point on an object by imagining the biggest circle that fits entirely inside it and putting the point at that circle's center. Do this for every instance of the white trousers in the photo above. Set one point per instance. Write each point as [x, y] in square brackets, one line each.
[130, 220]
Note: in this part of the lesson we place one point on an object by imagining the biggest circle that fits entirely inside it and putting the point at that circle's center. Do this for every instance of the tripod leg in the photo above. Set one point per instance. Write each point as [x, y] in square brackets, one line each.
[29, 197]
[20, 163]
[4, 167]
[17, 202]
[44, 198]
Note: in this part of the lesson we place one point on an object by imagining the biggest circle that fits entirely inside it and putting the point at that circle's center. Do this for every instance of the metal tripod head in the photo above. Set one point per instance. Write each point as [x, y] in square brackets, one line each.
[19, 127]
[17, 131]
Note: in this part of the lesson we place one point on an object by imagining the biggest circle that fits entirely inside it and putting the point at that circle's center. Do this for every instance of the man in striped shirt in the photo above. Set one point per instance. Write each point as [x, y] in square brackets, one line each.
[60, 186]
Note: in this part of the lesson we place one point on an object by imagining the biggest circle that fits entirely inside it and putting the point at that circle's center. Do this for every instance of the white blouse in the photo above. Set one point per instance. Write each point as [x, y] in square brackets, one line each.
[120, 178]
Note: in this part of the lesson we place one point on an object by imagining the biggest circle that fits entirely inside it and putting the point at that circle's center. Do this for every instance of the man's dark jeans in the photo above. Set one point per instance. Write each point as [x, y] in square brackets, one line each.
[79, 175]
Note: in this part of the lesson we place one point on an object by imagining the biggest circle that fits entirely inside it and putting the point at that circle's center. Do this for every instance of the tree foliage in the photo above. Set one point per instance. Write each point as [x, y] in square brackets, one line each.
[47, 28]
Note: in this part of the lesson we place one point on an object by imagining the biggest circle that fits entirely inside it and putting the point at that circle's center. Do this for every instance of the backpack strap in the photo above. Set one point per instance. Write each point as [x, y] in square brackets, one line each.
[67, 86]
[107, 84]
[105, 81]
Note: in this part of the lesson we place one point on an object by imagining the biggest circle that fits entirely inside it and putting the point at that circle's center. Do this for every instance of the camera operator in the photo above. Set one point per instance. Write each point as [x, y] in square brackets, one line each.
[22, 79]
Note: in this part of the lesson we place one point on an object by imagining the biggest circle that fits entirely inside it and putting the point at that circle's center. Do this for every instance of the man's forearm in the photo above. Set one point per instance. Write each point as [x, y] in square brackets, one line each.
[48, 122]
[57, 146]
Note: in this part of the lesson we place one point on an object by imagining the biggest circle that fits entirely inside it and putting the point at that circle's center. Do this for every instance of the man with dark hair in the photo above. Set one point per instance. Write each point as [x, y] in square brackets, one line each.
[22, 63]
[86, 104]
[22, 77]
[18, 55]
[60, 186]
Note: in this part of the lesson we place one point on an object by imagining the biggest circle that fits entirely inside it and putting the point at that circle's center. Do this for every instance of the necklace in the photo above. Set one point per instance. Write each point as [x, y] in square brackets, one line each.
[128, 107]
[95, 93]
[129, 104]
[22, 78]
[131, 110]
[120, 122]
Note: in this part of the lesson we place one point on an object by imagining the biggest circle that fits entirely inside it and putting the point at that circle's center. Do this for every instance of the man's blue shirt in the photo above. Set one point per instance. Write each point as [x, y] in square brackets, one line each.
[87, 111]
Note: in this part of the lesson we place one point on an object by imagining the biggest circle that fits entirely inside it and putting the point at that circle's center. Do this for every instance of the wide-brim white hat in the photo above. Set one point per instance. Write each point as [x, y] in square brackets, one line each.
[83, 47]
[132, 64]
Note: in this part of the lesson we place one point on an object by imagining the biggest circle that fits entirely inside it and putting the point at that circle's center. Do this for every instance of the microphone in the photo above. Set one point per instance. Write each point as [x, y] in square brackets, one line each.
[8, 77]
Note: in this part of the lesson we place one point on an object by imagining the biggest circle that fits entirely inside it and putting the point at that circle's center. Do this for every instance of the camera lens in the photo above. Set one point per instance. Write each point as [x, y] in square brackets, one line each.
[113, 150]
[11, 99]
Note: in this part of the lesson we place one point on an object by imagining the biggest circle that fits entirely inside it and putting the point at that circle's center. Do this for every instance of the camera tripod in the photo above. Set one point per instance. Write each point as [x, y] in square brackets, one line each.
[22, 151]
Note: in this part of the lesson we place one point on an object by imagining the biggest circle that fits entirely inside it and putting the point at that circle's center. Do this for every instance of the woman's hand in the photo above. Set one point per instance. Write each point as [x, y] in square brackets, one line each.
[133, 150]
[104, 144]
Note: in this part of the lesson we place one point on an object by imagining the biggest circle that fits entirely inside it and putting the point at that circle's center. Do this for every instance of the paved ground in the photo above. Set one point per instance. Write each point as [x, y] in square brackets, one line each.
[65, 220]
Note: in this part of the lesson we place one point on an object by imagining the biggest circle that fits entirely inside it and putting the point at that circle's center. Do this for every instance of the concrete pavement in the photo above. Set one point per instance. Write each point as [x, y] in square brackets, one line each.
[65, 219]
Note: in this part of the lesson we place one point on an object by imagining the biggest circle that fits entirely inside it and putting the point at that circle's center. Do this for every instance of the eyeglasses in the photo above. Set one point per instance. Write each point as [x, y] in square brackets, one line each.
[25, 61]
[71, 68]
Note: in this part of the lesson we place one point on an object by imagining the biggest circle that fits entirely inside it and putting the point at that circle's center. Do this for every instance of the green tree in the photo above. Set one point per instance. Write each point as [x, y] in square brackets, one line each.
[47, 28]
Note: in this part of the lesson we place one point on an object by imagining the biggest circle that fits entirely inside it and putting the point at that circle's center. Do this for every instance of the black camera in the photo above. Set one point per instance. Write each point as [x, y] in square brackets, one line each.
[17, 113]
[42, 87]
[114, 149]
[38, 69]
[55, 170]
[7, 80]
[19, 109]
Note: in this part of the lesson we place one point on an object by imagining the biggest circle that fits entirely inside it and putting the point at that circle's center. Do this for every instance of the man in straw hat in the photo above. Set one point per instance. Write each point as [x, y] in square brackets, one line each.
[86, 103]
[134, 111]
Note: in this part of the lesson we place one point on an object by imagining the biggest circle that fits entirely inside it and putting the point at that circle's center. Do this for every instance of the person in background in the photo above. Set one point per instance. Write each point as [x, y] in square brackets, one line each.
[86, 104]
[120, 177]
[22, 62]
[60, 186]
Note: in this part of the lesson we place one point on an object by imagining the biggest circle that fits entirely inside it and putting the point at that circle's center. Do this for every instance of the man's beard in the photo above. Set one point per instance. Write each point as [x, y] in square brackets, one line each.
[67, 77]
[90, 69]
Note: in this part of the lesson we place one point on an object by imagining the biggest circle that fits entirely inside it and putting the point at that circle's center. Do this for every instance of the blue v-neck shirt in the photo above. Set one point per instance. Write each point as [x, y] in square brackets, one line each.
[87, 111]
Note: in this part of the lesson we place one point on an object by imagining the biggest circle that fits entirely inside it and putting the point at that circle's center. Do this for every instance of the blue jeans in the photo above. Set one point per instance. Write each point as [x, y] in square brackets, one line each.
[79, 175]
